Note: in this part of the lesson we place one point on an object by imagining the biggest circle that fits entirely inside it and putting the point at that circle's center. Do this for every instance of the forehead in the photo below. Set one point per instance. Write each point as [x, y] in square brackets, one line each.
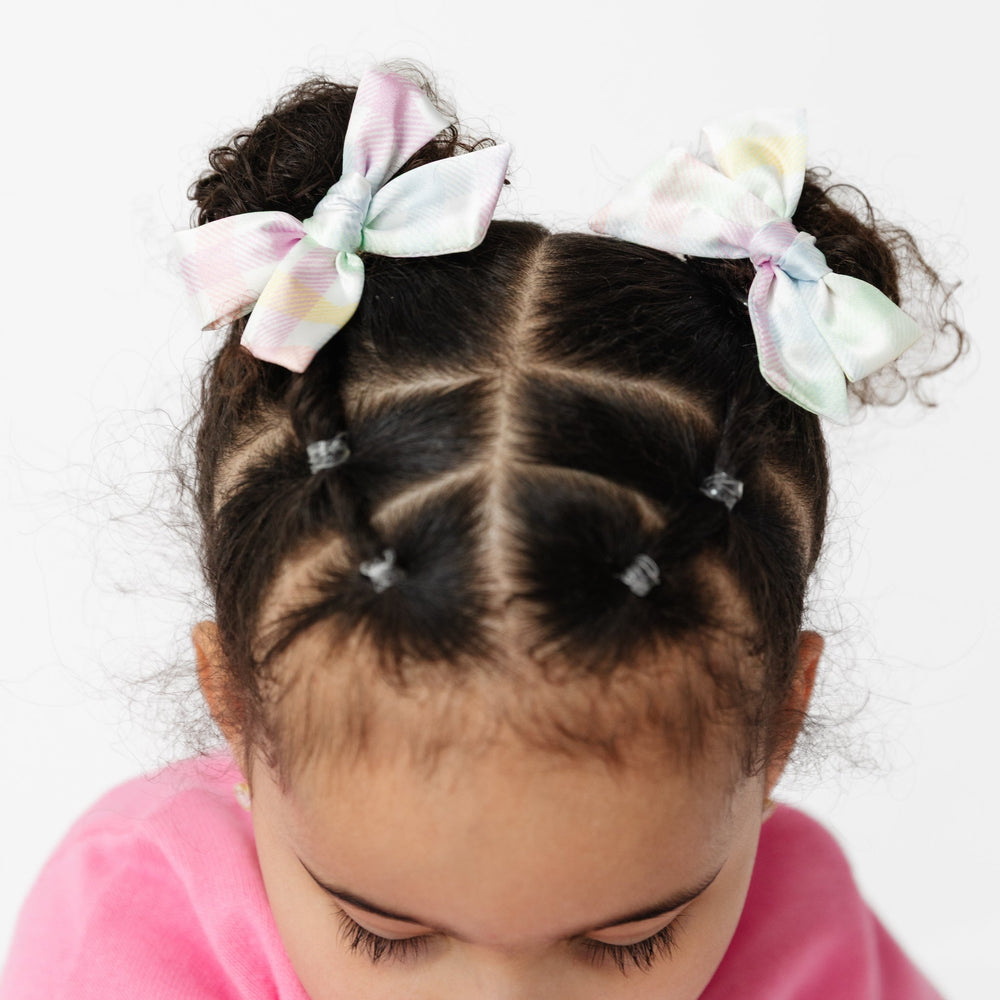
[511, 831]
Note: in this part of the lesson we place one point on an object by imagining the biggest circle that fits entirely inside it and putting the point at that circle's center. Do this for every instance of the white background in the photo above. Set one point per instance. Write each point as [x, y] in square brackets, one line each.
[108, 110]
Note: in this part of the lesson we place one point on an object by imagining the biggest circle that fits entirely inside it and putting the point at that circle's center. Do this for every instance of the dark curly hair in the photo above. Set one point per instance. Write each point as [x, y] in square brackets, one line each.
[524, 419]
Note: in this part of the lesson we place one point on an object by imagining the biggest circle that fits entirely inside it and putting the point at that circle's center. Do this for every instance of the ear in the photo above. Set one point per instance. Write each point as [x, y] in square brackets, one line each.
[796, 704]
[213, 678]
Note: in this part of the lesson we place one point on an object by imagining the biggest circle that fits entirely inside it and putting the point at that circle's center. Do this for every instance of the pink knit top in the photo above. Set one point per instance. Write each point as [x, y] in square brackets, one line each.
[156, 894]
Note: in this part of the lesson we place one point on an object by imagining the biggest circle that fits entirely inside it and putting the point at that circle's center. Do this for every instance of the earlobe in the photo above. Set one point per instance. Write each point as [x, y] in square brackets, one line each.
[796, 705]
[208, 654]
[212, 678]
[810, 652]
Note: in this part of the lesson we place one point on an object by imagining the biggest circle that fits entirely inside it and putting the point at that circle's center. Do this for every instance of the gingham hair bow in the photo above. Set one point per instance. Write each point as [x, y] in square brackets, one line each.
[813, 328]
[303, 280]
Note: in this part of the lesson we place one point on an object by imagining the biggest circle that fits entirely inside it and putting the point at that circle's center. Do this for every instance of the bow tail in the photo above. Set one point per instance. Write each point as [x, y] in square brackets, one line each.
[864, 329]
[795, 358]
[227, 263]
[311, 295]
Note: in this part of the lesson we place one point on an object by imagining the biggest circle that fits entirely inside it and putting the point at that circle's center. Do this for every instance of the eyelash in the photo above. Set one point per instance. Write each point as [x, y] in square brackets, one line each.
[376, 947]
[642, 954]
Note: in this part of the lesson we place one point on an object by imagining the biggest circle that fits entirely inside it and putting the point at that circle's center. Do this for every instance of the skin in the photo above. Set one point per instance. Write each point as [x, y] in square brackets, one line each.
[509, 861]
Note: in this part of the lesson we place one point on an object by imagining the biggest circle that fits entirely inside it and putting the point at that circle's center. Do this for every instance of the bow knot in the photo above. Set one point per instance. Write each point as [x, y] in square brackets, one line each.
[781, 245]
[803, 260]
[339, 219]
[771, 241]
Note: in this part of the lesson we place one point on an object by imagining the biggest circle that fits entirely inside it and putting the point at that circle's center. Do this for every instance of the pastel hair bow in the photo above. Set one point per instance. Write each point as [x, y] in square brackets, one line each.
[301, 281]
[814, 329]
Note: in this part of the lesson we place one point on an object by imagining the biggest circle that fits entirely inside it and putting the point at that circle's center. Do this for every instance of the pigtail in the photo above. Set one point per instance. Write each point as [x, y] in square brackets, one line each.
[259, 511]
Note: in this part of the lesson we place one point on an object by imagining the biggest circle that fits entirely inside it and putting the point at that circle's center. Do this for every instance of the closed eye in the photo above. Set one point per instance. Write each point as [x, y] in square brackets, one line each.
[640, 954]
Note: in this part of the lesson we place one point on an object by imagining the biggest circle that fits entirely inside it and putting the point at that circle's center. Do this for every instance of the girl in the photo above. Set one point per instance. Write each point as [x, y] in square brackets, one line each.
[508, 533]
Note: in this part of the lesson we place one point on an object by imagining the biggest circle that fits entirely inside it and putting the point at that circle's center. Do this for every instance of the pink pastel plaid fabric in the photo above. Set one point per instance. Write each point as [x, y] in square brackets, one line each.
[814, 329]
[301, 281]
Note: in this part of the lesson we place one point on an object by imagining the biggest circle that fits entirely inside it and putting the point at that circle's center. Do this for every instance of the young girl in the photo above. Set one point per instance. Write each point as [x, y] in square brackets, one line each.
[508, 533]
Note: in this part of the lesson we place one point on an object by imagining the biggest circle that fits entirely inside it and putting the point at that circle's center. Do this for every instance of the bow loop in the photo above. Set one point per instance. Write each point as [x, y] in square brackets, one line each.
[815, 330]
[765, 154]
[303, 280]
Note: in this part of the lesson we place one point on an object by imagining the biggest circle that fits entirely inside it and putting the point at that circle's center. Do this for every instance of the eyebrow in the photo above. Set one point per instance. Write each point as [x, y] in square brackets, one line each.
[657, 909]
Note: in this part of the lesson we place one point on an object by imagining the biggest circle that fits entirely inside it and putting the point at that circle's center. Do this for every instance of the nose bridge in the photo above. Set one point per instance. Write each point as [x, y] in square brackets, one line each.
[518, 976]
[508, 983]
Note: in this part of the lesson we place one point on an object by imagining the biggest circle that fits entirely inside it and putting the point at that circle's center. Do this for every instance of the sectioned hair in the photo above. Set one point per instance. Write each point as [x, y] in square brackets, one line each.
[524, 419]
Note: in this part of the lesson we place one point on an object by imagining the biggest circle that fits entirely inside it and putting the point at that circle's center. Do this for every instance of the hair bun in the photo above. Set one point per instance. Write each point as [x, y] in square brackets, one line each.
[294, 154]
[856, 242]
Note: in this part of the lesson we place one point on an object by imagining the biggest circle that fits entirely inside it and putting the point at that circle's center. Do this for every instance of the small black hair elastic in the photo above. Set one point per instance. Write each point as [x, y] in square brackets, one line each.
[383, 571]
[641, 575]
[328, 454]
[723, 487]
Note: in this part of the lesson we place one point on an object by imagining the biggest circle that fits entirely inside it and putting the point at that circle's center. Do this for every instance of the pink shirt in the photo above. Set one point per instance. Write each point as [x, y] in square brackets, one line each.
[155, 894]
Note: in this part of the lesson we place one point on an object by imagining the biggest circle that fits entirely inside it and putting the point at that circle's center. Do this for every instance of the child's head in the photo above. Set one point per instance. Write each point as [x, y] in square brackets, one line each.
[507, 667]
